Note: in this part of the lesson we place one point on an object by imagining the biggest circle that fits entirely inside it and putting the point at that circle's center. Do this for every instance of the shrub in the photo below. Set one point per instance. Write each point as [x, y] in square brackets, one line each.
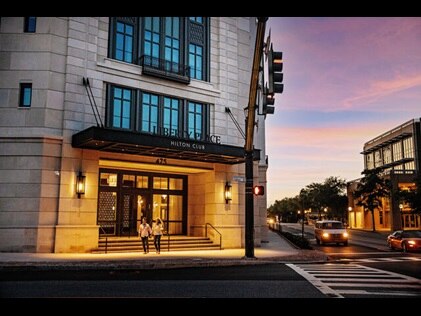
[297, 240]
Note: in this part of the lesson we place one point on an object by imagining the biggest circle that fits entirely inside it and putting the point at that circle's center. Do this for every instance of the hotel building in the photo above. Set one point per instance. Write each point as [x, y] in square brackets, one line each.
[106, 120]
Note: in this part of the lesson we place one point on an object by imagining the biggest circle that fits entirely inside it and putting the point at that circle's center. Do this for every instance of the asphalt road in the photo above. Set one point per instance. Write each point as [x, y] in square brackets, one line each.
[365, 248]
[254, 281]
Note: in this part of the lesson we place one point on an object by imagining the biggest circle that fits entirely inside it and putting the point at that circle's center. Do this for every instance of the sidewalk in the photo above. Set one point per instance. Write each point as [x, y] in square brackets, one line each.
[275, 248]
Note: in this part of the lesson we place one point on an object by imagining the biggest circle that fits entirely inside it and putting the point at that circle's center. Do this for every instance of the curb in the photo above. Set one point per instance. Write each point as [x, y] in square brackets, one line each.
[304, 256]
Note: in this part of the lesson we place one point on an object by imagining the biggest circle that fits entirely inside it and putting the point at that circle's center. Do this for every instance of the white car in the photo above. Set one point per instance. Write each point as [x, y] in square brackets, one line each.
[330, 232]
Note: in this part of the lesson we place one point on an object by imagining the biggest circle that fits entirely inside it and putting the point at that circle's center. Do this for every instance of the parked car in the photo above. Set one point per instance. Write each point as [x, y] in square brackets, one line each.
[328, 231]
[406, 240]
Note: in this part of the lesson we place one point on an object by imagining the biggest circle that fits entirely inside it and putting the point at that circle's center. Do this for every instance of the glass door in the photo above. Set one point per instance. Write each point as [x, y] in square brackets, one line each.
[133, 208]
[169, 208]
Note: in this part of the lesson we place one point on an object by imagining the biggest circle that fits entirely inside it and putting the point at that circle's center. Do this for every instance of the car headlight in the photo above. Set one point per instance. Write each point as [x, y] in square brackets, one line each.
[345, 234]
[411, 242]
[325, 235]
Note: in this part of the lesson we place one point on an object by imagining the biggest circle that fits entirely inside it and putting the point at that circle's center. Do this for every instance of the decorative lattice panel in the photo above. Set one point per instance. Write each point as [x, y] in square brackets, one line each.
[107, 207]
[197, 33]
[126, 211]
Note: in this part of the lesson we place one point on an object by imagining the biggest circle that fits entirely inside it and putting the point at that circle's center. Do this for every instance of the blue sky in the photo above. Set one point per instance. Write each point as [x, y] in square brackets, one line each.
[346, 81]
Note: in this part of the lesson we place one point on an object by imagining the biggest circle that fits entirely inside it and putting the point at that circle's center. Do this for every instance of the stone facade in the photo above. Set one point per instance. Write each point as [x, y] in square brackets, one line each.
[39, 209]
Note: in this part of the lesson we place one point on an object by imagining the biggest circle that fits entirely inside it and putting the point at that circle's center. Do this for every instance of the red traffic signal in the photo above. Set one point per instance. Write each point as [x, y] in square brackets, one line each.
[258, 190]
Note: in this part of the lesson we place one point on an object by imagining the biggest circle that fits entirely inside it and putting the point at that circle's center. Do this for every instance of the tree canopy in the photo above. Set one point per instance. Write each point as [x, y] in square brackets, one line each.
[329, 194]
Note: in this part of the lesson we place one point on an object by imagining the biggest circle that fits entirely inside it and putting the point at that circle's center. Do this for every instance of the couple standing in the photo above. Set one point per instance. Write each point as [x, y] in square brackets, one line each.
[145, 231]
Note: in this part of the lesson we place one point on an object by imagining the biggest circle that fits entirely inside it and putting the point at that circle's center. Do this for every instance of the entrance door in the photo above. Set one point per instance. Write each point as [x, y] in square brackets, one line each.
[132, 208]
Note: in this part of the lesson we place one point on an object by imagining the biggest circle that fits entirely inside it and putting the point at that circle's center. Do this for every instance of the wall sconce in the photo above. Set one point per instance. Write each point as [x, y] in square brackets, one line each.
[228, 192]
[80, 184]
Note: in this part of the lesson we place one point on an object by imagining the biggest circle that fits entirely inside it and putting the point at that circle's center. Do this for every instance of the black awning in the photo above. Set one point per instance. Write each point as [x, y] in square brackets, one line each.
[136, 143]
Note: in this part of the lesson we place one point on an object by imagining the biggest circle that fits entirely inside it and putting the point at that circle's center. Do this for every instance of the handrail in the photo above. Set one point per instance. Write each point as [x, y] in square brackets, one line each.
[106, 238]
[220, 235]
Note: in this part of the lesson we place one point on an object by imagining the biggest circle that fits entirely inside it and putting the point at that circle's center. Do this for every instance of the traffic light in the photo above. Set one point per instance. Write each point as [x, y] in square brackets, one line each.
[275, 75]
[268, 102]
[258, 190]
[275, 78]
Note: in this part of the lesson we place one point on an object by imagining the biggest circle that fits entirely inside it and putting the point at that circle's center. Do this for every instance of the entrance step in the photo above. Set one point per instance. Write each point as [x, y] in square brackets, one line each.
[134, 244]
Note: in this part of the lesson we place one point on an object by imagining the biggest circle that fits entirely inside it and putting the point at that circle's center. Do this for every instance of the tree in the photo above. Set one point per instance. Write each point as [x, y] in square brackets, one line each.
[330, 193]
[412, 197]
[370, 190]
[285, 209]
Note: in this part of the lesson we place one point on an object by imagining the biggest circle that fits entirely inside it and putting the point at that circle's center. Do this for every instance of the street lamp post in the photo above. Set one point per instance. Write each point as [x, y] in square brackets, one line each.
[349, 211]
[402, 221]
[302, 223]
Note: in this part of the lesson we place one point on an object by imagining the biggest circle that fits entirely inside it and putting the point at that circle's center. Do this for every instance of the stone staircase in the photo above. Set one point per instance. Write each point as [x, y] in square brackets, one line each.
[134, 244]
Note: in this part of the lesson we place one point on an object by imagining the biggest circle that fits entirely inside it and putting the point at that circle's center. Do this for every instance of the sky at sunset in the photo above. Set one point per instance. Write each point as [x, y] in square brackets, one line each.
[346, 81]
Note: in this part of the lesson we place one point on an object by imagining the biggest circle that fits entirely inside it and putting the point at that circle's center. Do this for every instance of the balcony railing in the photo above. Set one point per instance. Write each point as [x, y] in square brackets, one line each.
[164, 69]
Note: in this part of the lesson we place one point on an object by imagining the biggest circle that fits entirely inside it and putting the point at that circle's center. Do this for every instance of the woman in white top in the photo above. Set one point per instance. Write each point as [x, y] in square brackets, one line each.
[157, 231]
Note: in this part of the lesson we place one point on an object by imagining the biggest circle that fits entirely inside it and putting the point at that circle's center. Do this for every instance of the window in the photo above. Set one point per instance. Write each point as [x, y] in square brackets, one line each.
[172, 43]
[25, 97]
[156, 114]
[387, 155]
[377, 159]
[369, 161]
[160, 183]
[149, 113]
[152, 38]
[410, 166]
[30, 24]
[397, 151]
[166, 45]
[171, 116]
[408, 148]
[108, 179]
[124, 42]
[142, 182]
[123, 35]
[121, 107]
[195, 120]
[197, 39]
[195, 61]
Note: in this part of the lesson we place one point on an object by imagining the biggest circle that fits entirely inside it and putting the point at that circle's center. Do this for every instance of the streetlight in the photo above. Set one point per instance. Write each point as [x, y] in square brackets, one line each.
[402, 221]
[302, 223]
[349, 211]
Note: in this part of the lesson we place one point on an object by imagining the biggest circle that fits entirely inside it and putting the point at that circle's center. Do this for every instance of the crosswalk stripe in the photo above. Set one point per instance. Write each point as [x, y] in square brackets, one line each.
[362, 292]
[316, 283]
[336, 280]
[392, 259]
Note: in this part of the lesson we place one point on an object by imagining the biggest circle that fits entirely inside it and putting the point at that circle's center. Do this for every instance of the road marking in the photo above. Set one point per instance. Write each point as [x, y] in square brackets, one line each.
[336, 280]
[394, 259]
[315, 282]
[363, 292]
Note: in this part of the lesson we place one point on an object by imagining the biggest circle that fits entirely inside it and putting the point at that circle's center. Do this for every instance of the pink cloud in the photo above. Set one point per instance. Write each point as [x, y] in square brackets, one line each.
[381, 89]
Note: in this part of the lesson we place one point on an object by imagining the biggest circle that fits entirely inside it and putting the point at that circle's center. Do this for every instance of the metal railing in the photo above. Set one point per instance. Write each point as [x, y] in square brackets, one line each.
[164, 69]
[220, 235]
[106, 238]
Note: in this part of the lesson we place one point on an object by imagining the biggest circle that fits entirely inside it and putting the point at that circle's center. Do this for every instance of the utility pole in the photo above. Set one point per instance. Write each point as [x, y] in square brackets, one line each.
[248, 147]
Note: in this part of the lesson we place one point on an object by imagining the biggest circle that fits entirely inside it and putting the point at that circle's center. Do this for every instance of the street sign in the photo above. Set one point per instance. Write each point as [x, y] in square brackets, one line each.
[239, 178]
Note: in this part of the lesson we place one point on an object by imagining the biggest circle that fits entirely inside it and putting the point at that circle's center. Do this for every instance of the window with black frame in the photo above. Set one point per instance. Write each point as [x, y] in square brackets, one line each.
[152, 113]
[174, 48]
[121, 106]
[123, 36]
